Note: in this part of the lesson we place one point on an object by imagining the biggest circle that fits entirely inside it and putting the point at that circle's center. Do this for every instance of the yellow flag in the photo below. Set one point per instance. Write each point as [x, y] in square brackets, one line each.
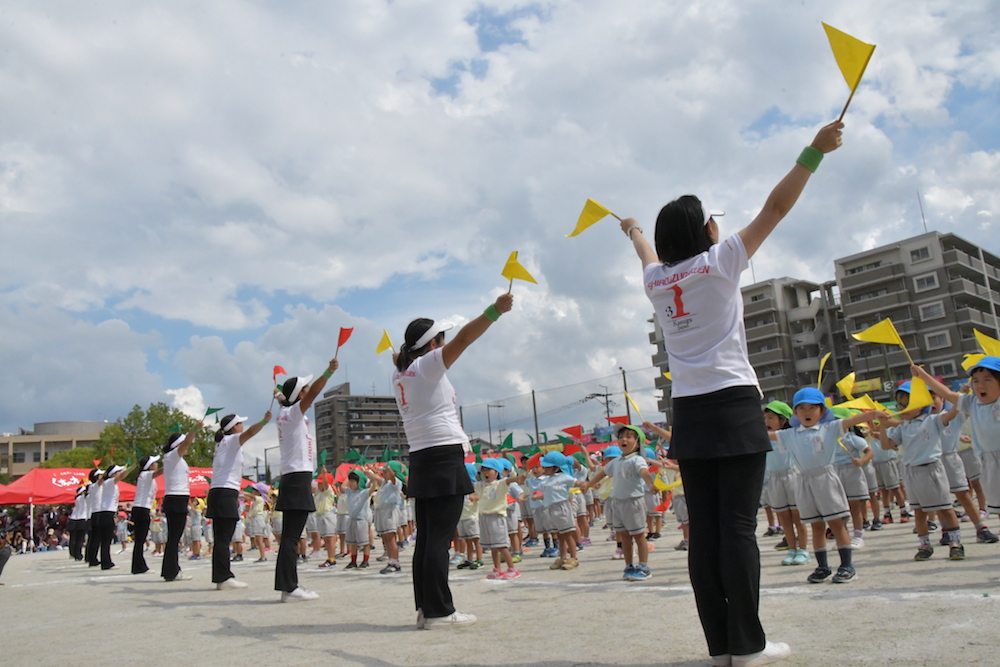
[822, 364]
[920, 396]
[385, 343]
[592, 212]
[846, 386]
[662, 484]
[667, 375]
[513, 269]
[851, 53]
[634, 406]
[865, 403]
[971, 360]
[883, 332]
[991, 346]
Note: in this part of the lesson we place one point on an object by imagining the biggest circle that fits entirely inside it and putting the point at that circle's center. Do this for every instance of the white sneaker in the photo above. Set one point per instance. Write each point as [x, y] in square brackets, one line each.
[456, 620]
[182, 577]
[230, 584]
[456, 559]
[773, 652]
[722, 660]
[857, 542]
[420, 619]
[299, 595]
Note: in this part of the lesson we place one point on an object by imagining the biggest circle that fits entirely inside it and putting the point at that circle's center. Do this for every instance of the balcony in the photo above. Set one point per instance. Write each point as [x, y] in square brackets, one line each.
[878, 304]
[955, 257]
[760, 306]
[764, 331]
[767, 357]
[660, 358]
[966, 287]
[805, 338]
[871, 277]
[807, 365]
[973, 317]
[774, 383]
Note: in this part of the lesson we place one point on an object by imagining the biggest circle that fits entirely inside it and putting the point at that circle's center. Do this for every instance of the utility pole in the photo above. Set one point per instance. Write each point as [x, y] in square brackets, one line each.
[534, 410]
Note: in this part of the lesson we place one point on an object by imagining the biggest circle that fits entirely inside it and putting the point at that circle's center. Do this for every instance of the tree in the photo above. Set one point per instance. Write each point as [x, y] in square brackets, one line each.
[143, 432]
[81, 457]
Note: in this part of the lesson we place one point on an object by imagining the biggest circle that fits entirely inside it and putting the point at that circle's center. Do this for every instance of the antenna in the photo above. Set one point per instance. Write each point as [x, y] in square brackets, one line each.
[921, 205]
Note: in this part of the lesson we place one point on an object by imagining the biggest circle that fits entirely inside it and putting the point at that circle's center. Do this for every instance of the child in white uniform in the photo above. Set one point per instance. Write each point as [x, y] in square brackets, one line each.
[359, 519]
[390, 490]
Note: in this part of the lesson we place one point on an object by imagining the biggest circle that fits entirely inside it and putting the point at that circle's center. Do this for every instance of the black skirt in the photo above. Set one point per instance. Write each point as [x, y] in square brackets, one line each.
[175, 504]
[223, 504]
[728, 422]
[295, 492]
[436, 472]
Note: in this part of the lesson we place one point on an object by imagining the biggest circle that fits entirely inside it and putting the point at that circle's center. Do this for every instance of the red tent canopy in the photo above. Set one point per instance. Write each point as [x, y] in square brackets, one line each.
[53, 486]
[198, 479]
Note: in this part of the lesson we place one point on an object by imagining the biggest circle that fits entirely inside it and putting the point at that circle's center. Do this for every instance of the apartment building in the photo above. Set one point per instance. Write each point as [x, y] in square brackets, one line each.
[24, 451]
[368, 424]
[936, 288]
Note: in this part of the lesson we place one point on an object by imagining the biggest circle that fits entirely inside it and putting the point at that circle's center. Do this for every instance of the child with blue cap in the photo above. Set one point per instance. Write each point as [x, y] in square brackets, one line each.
[813, 442]
[604, 488]
[493, 518]
[468, 526]
[632, 482]
[514, 495]
[555, 490]
[982, 410]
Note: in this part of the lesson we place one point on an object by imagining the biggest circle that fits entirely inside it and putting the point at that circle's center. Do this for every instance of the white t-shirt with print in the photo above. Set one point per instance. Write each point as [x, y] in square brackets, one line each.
[227, 464]
[700, 309]
[428, 404]
[295, 440]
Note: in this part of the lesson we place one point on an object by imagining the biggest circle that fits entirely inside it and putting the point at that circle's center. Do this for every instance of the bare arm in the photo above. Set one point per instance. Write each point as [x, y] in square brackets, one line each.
[662, 432]
[255, 429]
[787, 192]
[185, 445]
[951, 414]
[648, 479]
[642, 248]
[317, 386]
[468, 334]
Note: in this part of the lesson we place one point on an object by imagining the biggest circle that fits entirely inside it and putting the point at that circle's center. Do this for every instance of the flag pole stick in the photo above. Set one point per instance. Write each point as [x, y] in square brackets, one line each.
[846, 105]
[511, 286]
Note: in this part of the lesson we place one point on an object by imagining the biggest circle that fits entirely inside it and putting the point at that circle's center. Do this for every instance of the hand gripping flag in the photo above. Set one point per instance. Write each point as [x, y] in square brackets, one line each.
[592, 212]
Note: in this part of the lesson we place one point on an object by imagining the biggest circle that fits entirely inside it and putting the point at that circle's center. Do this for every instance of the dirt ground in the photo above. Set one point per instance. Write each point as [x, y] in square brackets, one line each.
[899, 611]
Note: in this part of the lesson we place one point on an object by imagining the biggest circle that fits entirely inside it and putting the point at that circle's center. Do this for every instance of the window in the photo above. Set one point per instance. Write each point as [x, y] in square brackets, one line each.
[925, 282]
[931, 311]
[882, 291]
[920, 254]
[758, 297]
[36, 457]
[936, 341]
[944, 370]
[18, 457]
[863, 267]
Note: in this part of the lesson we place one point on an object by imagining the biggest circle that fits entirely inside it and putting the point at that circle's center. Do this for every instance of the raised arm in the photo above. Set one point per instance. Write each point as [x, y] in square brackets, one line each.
[787, 192]
[318, 384]
[185, 445]
[642, 248]
[255, 429]
[468, 334]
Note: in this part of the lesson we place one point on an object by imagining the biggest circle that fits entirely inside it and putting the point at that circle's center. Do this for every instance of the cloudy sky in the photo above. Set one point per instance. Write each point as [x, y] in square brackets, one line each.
[191, 193]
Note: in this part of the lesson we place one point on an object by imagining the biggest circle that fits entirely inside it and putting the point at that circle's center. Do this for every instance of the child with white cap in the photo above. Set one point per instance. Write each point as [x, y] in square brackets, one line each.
[813, 442]
[632, 482]
[145, 498]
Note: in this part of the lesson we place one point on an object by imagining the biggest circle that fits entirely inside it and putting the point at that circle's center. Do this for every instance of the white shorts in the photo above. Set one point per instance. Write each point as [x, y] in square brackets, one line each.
[468, 529]
[326, 524]
[238, 533]
[159, 537]
[341, 524]
[541, 519]
[870, 478]
[629, 515]
[652, 501]
[954, 469]
[256, 527]
[513, 517]
[609, 512]
[781, 488]
[820, 496]
[357, 532]
[579, 504]
[195, 533]
[680, 507]
[527, 511]
[973, 466]
[276, 522]
[559, 517]
[927, 486]
[887, 475]
[991, 481]
[208, 534]
[385, 520]
[853, 479]
[493, 529]
[588, 497]
[311, 523]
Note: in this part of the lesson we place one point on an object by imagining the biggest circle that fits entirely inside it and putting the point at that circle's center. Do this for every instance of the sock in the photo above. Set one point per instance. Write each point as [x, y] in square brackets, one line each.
[394, 561]
[845, 556]
[619, 545]
[366, 557]
[548, 543]
[954, 535]
[859, 533]
[925, 540]
[354, 558]
[821, 559]
[643, 565]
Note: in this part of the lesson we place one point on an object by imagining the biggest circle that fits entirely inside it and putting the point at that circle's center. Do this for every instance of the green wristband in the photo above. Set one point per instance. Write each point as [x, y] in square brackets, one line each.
[491, 312]
[327, 374]
[263, 422]
[810, 157]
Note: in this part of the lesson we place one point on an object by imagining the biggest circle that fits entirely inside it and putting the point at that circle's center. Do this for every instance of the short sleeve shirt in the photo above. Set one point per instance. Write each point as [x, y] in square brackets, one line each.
[919, 440]
[175, 474]
[357, 503]
[428, 404]
[294, 439]
[812, 447]
[951, 432]
[854, 447]
[555, 488]
[700, 310]
[389, 494]
[227, 464]
[145, 490]
[985, 421]
[109, 496]
[627, 473]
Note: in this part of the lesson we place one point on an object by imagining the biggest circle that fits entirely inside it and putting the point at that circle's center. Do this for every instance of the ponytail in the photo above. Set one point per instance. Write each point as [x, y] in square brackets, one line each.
[220, 434]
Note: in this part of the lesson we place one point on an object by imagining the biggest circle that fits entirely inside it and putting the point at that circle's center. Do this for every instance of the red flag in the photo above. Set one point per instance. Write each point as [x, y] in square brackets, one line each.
[97, 463]
[662, 507]
[569, 450]
[535, 461]
[278, 370]
[112, 455]
[344, 335]
[575, 431]
[618, 420]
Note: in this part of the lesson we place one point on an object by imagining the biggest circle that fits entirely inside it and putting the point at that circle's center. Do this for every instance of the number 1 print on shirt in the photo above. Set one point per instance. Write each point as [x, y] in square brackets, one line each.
[678, 308]
[402, 394]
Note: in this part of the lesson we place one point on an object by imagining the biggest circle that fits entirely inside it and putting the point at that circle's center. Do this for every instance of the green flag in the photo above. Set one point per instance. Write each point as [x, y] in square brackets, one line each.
[479, 459]
[352, 455]
[530, 438]
[508, 442]
[212, 411]
[543, 437]
[176, 428]
[564, 440]
[476, 448]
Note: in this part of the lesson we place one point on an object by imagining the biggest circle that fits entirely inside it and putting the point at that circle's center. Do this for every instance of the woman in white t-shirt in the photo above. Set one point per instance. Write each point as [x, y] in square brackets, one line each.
[438, 481]
[223, 497]
[145, 496]
[719, 438]
[177, 492]
[295, 501]
[105, 514]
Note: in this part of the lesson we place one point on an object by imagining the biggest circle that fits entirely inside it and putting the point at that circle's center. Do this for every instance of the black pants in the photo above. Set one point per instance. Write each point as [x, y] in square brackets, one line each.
[93, 543]
[437, 519]
[723, 495]
[4, 557]
[175, 530]
[105, 534]
[286, 576]
[77, 533]
[140, 529]
[224, 529]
